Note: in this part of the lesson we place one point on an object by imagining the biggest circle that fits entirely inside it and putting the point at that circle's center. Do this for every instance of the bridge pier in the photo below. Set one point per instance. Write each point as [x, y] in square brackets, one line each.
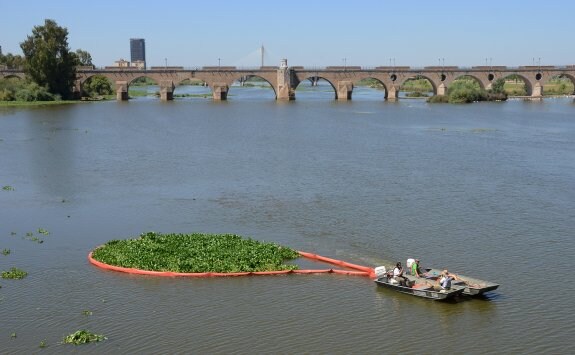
[167, 90]
[284, 89]
[392, 93]
[442, 89]
[220, 91]
[122, 90]
[344, 90]
[537, 92]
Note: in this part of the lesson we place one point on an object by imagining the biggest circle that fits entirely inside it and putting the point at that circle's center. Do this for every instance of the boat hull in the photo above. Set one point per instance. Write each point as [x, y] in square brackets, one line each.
[471, 286]
[419, 290]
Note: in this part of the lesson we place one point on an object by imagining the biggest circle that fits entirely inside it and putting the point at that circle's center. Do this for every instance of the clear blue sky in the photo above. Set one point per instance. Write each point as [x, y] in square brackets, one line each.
[310, 33]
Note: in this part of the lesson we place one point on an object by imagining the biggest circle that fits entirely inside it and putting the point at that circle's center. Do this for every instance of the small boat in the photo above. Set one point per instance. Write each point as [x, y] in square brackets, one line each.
[471, 286]
[417, 286]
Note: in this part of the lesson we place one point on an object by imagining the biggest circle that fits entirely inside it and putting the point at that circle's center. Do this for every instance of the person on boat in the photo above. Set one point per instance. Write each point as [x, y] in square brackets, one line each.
[445, 280]
[416, 270]
[398, 274]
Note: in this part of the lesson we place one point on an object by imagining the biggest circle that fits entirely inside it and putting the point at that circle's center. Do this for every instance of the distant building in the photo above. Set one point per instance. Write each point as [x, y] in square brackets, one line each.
[140, 64]
[122, 63]
[138, 50]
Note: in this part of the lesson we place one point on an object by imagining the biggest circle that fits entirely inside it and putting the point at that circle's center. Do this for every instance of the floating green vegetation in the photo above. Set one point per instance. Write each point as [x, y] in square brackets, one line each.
[30, 236]
[13, 335]
[7, 188]
[196, 252]
[14, 273]
[87, 313]
[43, 231]
[6, 251]
[43, 344]
[83, 337]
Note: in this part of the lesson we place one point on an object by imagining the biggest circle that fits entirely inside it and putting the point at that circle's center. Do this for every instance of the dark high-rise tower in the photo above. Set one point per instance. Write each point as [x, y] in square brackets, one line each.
[137, 50]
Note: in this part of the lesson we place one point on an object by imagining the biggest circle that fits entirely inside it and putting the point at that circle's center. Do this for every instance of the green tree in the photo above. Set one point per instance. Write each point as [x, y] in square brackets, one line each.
[48, 60]
[84, 57]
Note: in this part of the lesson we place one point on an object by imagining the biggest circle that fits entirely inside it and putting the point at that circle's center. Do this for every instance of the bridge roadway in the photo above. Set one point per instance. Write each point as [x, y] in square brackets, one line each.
[284, 80]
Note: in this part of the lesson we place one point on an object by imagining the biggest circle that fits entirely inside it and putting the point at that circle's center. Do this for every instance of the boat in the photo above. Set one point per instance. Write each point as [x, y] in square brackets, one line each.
[471, 286]
[417, 286]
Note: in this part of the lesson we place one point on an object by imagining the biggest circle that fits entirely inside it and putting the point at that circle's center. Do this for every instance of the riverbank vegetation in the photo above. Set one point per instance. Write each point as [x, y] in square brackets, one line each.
[197, 252]
[467, 90]
[15, 89]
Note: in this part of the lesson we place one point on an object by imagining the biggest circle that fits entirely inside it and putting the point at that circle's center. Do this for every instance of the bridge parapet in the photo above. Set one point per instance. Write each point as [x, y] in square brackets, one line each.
[219, 68]
[392, 68]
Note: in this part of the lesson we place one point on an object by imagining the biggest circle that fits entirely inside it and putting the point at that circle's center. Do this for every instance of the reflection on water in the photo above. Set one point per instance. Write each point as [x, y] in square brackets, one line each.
[484, 189]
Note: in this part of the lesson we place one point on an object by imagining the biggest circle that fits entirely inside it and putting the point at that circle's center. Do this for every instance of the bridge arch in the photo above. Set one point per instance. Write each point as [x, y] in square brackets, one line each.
[546, 81]
[359, 81]
[404, 79]
[526, 82]
[252, 76]
[13, 76]
[417, 86]
[192, 88]
[317, 78]
[96, 85]
[470, 76]
[136, 90]
[141, 76]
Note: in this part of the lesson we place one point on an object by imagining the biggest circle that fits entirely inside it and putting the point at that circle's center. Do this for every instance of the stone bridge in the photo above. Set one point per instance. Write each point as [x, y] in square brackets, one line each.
[284, 80]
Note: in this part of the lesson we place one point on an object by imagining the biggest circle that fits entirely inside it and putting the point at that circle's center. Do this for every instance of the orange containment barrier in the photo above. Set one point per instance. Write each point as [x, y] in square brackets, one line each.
[357, 270]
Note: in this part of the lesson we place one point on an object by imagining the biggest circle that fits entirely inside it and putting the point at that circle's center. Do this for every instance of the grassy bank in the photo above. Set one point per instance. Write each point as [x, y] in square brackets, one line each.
[36, 103]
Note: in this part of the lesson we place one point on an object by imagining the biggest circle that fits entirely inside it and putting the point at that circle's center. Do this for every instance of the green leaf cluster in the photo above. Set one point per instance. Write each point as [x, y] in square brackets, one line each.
[82, 337]
[197, 252]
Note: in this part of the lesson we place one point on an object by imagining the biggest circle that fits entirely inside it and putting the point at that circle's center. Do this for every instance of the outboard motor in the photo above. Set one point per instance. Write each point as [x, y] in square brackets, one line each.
[380, 272]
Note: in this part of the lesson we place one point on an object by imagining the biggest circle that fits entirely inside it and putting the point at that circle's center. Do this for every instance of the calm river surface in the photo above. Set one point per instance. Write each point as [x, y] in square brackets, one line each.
[486, 190]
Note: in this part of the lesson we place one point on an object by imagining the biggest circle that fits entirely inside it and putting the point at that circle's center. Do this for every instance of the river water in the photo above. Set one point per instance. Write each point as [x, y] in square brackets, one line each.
[486, 190]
